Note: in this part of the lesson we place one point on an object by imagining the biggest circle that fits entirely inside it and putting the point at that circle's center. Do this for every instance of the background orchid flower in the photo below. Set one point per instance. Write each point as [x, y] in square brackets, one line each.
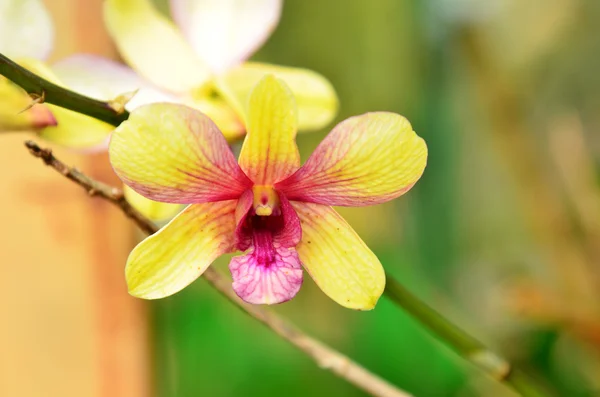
[200, 65]
[26, 35]
[27, 32]
[278, 213]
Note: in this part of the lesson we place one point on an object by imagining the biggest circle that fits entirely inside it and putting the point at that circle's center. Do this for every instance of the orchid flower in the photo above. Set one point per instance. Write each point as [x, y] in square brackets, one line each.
[26, 35]
[266, 205]
[200, 65]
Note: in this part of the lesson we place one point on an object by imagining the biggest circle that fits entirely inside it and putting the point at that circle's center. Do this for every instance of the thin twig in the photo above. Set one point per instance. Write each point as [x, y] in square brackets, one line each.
[92, 187]
[324, 356]
[41, 88]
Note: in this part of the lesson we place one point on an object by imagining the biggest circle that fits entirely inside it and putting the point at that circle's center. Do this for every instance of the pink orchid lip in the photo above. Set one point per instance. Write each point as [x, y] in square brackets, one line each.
[270, 271]
[277, 282]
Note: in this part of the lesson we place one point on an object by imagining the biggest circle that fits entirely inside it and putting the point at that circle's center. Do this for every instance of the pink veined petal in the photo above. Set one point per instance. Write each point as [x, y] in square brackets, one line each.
[243, 239]
[226, 32]
[291, 233]
[267, 275]
[175, 154]
[365, 160]
[269, 152]
[105, 79]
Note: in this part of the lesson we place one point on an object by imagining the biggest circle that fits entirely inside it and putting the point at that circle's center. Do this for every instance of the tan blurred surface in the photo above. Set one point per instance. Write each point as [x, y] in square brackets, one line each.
[69, 326]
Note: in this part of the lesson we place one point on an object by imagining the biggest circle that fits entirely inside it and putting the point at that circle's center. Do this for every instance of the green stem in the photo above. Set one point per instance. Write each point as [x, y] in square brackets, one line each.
[463, 343]
[59, 96]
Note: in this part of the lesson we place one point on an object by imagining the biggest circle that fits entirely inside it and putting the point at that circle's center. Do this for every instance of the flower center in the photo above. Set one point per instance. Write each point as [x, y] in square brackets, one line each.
[205, 91]
[266, 201]
[264, 218]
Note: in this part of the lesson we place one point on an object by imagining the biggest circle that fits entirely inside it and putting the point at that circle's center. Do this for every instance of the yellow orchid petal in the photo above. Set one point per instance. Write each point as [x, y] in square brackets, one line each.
[315, 97]
[173, 153]
[72, 129]
[269, 152]
[367, 159]
[105, 79]
[154, 210]
[14, 117]
[26, 29]
[337, 259]
[151, 44]
[177, 254]
[226, 32]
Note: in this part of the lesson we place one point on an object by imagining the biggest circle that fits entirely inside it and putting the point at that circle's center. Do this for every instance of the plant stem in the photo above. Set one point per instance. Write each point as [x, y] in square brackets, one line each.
[463, 343]
[59, 96]
[323, 355]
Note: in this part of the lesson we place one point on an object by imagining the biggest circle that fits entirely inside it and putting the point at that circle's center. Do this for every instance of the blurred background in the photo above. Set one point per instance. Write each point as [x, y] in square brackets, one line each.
[502, 233]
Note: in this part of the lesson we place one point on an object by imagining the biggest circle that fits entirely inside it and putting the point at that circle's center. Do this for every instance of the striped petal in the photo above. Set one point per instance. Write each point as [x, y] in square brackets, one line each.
[316, 99]
[72, 129]
[178, 254]
[365, 160]
[337, 259]
[175, 154]
[104, 79]
[269, 153]
[26, 29]
[153, 210]
[226, 32]
[151, 44]
[258, 281]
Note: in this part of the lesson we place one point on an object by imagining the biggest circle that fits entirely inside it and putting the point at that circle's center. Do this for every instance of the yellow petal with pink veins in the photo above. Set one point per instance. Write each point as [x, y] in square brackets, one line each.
[269, 153]
[337, 259]
[153, 46]
[316, 99]
[175, 154]
[180, 252]
[365, 160]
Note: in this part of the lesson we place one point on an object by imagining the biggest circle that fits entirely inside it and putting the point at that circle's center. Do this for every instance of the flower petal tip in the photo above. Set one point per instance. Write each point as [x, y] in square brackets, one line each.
[361, 302]
[42, 117]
